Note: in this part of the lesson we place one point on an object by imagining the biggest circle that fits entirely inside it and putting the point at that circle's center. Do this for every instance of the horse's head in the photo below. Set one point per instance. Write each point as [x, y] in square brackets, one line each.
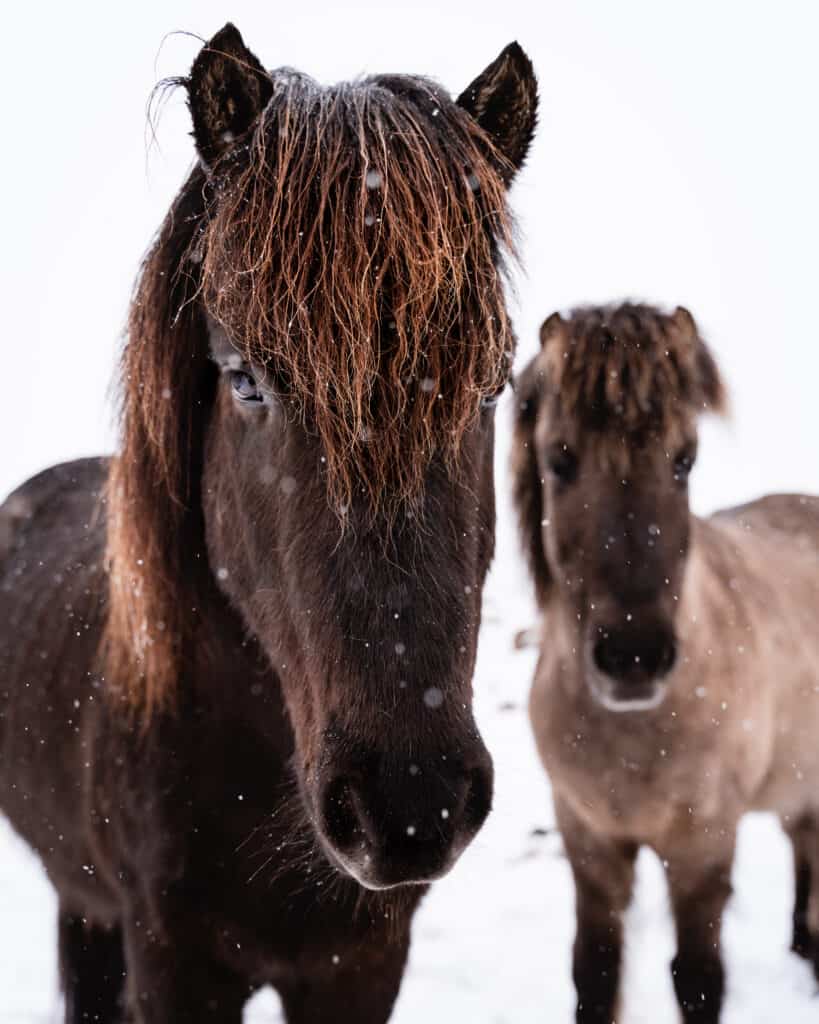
[605, 441]
[315, 349]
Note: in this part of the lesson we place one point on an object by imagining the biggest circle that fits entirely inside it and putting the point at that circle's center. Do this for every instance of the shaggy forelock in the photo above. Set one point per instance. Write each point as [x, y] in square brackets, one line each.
[628, 370]
[354, 248]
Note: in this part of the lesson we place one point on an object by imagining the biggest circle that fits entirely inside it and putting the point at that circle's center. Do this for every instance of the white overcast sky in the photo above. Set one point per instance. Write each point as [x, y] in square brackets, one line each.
[677, 160]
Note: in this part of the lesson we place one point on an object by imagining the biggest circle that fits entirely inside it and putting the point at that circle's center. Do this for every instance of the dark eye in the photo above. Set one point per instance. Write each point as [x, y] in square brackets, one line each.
[684, 463]
[562, 463]
[244, 386]
[490, 401]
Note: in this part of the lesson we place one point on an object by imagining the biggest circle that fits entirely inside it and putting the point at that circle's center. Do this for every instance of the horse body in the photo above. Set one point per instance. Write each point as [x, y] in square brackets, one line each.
[670, 756]
[236, 695]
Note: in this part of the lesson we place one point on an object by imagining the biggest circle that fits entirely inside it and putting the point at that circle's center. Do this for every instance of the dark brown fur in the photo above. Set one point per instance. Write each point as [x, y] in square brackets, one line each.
[226, 699]
[677, 623]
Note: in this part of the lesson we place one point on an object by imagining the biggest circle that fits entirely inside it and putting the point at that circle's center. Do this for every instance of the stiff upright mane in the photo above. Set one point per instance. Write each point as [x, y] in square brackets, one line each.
[351, 244]
[629, 369]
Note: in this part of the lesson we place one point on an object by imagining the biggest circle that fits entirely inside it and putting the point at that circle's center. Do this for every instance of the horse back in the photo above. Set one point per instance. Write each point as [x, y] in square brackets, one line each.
[792, 515]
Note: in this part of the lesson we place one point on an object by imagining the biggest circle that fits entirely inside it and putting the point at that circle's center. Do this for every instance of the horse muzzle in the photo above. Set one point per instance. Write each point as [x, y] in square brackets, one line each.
[627, 666]
[387, 821]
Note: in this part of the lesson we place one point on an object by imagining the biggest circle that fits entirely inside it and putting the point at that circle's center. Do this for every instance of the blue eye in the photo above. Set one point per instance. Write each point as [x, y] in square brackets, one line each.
[490, 401]
[244, 386]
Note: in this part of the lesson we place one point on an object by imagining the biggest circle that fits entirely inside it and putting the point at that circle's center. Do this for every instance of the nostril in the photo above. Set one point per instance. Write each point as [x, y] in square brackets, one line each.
[610, 658]
[667, 658]
[478, 801]
[339, 813]
[635, 658]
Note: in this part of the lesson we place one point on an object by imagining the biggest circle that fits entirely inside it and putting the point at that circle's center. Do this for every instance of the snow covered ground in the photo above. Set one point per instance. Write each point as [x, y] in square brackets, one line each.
[677, 161]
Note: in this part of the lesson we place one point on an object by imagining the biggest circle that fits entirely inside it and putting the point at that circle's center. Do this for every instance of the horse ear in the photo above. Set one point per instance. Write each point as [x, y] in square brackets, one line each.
[711, 386]
[503, 100]
[685, 322]
[227, 90]
[551, 326]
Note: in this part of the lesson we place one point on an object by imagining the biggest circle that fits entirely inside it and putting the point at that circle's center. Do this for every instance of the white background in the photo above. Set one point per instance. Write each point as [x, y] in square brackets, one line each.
[677, 160]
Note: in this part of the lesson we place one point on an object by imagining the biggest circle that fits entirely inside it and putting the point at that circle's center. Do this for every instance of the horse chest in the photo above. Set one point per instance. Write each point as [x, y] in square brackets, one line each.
[636, 777]
[628, 796]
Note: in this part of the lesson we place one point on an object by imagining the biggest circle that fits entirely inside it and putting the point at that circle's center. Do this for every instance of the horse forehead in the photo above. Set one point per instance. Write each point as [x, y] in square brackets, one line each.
[408, 90]
[284, 75]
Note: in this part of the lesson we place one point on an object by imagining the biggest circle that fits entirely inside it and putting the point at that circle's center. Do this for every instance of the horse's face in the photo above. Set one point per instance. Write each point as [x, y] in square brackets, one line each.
[606, 441]
[616, 541]
[368, 608]
[372, 631]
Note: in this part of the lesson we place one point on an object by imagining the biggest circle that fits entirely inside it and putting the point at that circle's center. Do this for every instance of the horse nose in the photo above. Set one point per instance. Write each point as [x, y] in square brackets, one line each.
[407, 826]
[635, 656]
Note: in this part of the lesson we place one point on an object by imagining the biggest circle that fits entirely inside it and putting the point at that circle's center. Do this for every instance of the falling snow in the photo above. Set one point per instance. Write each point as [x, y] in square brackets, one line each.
[492, 941]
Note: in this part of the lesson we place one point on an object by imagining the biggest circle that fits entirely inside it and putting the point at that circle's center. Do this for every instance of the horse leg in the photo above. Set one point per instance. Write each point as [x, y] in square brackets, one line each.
[699, 879]
[803, 837]
[362, 991]
[92, 968]
[170, 980]
[603, 871]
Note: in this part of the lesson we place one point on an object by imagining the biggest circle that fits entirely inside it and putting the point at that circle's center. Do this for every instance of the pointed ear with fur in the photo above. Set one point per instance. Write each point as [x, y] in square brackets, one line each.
[711, 386]
[503, 100]
[551, 326]
[227, 90]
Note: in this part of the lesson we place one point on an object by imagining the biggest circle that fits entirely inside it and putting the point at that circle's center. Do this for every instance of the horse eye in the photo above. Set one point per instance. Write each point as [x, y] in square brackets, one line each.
[683, 464]
[490, 401]
[244, 386]
[563, 463]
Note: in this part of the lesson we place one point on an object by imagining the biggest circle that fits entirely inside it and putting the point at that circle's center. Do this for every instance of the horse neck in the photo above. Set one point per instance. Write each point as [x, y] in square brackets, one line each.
[229, 667]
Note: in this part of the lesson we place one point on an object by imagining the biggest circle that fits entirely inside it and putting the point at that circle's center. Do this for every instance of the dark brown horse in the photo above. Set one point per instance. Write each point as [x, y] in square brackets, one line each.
[677, 685]
[236, 660]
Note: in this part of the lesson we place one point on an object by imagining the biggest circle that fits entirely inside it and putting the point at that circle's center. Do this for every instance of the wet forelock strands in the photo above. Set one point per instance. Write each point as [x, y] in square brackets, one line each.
[355, 250]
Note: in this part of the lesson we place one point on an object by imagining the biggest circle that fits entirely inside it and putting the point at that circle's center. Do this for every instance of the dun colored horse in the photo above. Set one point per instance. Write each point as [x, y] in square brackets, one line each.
[236, 660]
[677, 686]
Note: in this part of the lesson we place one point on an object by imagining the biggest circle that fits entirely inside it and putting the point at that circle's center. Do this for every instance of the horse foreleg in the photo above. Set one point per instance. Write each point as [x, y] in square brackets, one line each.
[603, 871]
[356, 990]
[804, 837]
[699, 879]
[172, 980]
[92, 968]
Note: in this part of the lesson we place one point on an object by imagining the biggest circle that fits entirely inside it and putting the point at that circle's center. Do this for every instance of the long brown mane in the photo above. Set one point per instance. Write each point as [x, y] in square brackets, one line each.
[352, 245]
